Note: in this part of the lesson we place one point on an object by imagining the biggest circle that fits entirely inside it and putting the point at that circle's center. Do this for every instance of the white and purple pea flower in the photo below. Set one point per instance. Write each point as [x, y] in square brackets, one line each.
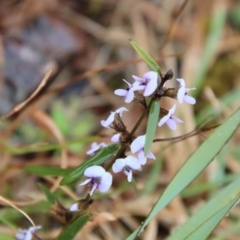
[170, 119]
[107, 123]
[24, 234]
[126, 165]
[183, 91]
[95, 147]
[148, 82]
[137, 146]
[98, 178]
[129, 92]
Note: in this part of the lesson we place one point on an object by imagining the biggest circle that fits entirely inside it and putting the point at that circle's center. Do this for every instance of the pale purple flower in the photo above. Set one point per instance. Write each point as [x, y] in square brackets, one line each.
[95, 147]
[126, 165]
[24, 234]
[182, 93]
[129, 92]
[170, 119]
[107, 123]
[98, 178]
[116, 138]
[137, 146]
[149, 81]
[74, 207]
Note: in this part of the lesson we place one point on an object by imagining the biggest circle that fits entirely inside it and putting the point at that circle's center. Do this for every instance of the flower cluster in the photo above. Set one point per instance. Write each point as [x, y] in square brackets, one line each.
[147, 86]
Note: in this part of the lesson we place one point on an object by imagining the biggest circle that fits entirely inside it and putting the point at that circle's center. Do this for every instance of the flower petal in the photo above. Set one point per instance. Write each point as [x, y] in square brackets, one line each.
[172, 110]
[129, 85]
[163, 120]
[129, 175]
[176, 120]
[142, 158]
[151, 75]
[189, 99]
[85, 182]
[116, 138]
[151, 156]
[181, 94]
[171, 124]
[181, 81]
[138, 144]
[121, 92]
[74, 207]
[132, 163]
[150, 88]
[120, 111]
[94, 171]
[105, 183]
[129, 96]
[119, 165]
[94, 187]
[138, 79]
[108, 122]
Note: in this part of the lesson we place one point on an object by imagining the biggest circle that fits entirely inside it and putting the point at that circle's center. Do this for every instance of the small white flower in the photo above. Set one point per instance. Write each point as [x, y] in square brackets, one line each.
[126, 165]
[170, 119]
[182, 93]
[24, 234]
[149, 82]
[74, 208]
[107, 123]
[95, 147]
[116, 138]
[98, 178]
[129, 92]
[137, 146]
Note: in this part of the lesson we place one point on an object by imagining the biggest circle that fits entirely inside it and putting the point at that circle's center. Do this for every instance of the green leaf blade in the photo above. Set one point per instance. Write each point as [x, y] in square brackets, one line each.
[49, 195]
[146, 57]
[98, 159]
[47, 171]
[209, 210]
[73, 228]
[151, 126]
[194, 166]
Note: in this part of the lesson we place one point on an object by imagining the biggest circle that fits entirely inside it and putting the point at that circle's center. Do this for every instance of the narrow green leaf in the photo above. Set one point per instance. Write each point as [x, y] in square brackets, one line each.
[208, 226]
[212, 207]
[98, 159]
[6, 237]
[151, 126]
[47, 171]
[146, 57]
[73, 228]
[194, 166]
[153, 177]
[49, 195]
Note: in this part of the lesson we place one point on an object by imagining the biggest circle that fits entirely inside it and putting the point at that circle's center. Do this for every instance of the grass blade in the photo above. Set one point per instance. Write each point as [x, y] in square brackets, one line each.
[146, 57]
[73, 228]
[210, 210]
[151, 126]
[47, 171]
[194, 166]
